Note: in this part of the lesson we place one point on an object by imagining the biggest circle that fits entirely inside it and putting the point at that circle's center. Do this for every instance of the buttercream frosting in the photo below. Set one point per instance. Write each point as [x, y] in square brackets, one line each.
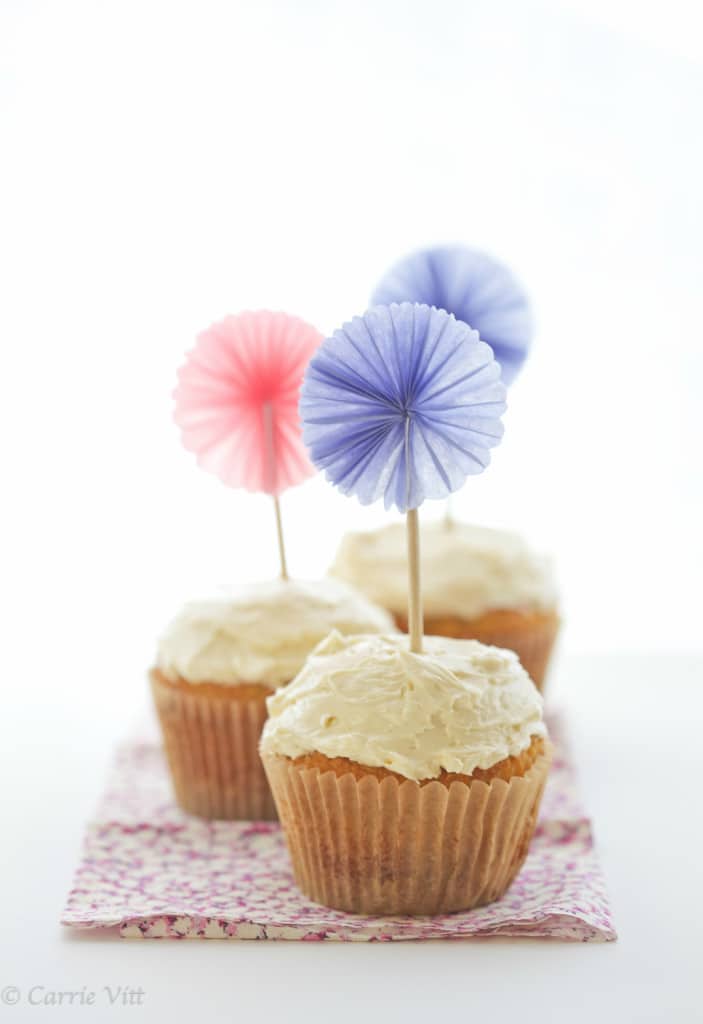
[262, 633]
[466, 569]
[458, 706]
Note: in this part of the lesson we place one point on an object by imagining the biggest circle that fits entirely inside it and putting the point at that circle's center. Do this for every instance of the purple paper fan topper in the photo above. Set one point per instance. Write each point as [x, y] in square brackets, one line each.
[475, 288]
[402, 403]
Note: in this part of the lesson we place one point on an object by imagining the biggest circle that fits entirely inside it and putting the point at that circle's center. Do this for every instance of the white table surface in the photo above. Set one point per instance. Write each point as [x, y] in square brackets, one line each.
[636, 724]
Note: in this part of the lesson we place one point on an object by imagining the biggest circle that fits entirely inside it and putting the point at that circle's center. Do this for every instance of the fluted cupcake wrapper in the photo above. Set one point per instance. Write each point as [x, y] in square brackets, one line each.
[373, 846]
[212, 749]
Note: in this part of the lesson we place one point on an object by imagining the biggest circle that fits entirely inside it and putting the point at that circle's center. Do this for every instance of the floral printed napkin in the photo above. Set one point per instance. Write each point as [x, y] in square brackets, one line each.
[154, 872]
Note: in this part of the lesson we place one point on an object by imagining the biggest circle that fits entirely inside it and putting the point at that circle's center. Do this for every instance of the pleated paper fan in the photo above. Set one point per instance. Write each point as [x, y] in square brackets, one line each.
[476, 289]
[403, 403]
[237, 400]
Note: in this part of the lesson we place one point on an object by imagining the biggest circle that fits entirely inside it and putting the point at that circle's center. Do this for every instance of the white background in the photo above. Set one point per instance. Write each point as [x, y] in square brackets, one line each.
[163, 164]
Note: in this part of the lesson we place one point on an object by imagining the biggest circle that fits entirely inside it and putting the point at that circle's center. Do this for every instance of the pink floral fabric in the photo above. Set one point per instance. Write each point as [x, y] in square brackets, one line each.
[152, 871]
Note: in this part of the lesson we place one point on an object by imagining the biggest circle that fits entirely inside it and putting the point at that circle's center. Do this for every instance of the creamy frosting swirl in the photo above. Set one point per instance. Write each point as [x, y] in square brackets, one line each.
[262, 633]
[466, 569]
[458, 706]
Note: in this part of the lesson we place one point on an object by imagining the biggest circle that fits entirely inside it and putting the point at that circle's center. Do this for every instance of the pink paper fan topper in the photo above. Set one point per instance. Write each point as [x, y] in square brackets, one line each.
[237, 400]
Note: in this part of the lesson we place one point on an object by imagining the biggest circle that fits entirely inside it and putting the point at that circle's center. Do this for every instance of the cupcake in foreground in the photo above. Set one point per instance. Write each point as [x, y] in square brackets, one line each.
[217, 663]
[406, 783]
[478, 583]
[407, 770]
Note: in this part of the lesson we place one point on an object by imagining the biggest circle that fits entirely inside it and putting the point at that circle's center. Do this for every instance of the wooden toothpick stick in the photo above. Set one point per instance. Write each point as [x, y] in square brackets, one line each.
[448, 517]
[415, 626]
[281, 545]
[271, 484]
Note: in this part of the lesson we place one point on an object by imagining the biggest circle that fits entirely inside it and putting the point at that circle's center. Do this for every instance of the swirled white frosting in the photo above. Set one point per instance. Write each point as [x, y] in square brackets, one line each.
[262, 633]
[458, 706]
[466, 570]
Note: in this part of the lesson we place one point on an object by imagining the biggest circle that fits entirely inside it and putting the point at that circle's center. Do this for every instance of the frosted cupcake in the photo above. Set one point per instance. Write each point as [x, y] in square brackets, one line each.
[478, 583]
[406, 783]
[217, 663]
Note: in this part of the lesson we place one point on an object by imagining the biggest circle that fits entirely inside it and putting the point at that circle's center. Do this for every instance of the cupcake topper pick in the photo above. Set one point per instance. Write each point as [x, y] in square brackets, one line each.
[476, 289]
[237, 403]
[403, 403]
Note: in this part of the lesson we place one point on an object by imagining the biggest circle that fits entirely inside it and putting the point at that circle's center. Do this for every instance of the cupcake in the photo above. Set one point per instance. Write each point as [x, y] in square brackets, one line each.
[478, 583]
[406, 783]
[217, 663]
